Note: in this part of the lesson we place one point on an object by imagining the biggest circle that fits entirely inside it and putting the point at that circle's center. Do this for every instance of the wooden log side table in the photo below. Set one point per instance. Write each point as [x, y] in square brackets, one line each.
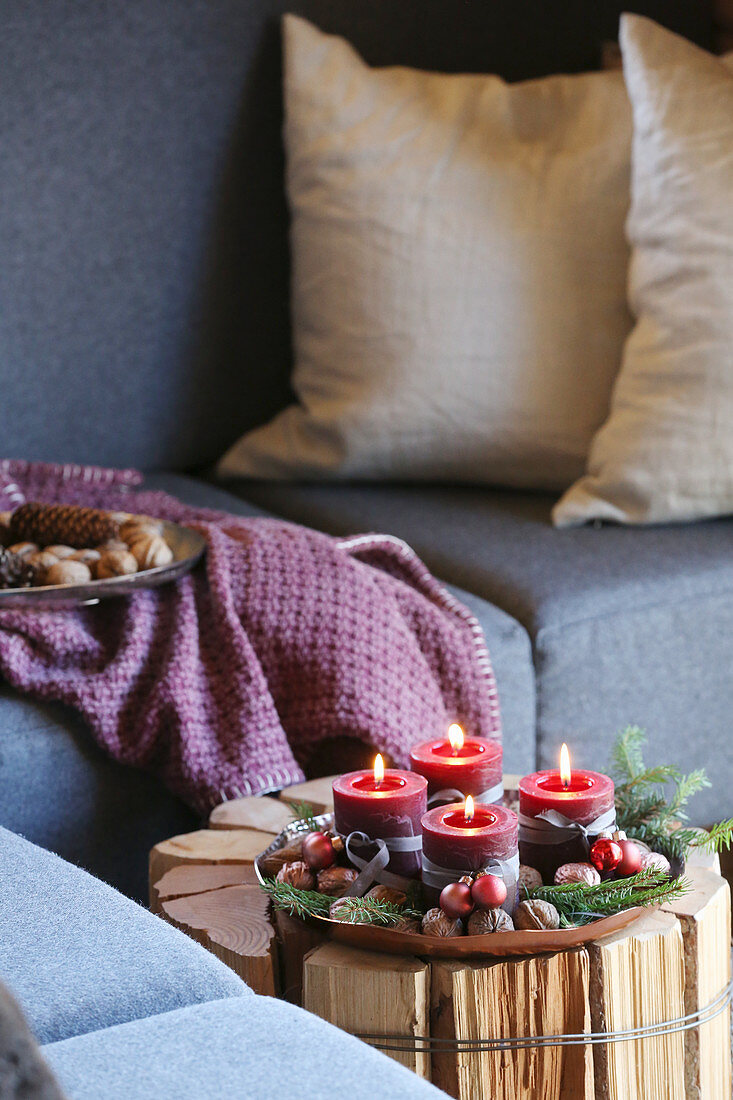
[449, 1021]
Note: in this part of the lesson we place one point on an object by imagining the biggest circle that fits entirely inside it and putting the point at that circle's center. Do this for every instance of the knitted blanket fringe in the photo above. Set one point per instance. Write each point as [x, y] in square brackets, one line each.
[223, 683]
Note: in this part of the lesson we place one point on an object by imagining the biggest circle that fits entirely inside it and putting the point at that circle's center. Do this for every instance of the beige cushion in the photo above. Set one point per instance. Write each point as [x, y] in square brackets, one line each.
[666, 452]
[459, 271]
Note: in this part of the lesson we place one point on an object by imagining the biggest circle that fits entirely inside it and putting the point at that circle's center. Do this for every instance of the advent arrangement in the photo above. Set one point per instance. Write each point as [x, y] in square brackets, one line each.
[437, 851]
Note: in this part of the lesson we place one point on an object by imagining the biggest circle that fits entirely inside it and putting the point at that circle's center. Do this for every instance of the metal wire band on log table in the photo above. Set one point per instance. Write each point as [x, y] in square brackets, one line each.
[424, 1044]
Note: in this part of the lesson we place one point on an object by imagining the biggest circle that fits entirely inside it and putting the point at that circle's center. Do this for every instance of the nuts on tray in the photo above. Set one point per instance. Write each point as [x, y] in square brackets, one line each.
[53, 544]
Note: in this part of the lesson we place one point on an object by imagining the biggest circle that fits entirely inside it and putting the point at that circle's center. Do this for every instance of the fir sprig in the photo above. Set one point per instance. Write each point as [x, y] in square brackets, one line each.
[579, 903]
[646, 809]
[309, 903]
[305, 816]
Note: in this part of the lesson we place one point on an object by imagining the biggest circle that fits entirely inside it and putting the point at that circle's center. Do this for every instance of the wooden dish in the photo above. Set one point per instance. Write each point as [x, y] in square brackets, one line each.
[497, 944]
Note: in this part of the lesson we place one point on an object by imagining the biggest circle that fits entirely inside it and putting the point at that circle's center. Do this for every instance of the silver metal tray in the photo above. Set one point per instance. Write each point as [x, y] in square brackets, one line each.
[188, 548]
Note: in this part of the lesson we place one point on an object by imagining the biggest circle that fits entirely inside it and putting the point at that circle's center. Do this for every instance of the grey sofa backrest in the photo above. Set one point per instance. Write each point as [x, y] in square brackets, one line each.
[143, 228]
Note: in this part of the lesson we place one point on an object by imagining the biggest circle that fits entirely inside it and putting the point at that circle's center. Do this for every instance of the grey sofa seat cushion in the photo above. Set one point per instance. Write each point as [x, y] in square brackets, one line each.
[250, 1049]
[627, 625]
[79, 956]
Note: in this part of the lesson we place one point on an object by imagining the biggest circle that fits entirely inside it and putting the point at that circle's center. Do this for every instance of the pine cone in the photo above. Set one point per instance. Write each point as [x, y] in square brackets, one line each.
[61, 523]
[16, 571]
[484, 921]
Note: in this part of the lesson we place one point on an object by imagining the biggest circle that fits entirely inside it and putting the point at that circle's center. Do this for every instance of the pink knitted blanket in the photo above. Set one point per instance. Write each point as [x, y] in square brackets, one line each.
[222, 683]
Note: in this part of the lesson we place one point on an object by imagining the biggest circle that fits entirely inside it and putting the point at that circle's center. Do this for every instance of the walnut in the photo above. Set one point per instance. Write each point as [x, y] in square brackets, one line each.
[120, 518]
[387, 893]
[343, 910]
[297, 874]
[483, 921]
[68, 572]
[151, 551]
[407, 924]
[437, 923]
[336, 881]
[23, 549]
[115, 563]
[113, 544]
[528, 879]
[60, 551]
[89, 557]
[136, 526]
[577, 872]
[273, 861]
[655, 861]
[535, 914]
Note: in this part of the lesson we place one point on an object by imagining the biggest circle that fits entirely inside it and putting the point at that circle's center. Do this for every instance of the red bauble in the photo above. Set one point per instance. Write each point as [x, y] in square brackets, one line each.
[318, 851]
[456, 900]
[606, 854]
[488, 892]
[630, 859]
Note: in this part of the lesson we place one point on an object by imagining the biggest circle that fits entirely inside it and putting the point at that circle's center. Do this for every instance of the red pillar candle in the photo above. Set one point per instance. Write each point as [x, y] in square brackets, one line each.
[459, 765]
[581, 797]
[384, 808]
[456, 843]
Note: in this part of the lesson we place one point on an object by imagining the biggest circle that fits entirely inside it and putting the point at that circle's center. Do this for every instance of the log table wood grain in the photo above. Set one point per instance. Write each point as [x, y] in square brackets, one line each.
[666, 965]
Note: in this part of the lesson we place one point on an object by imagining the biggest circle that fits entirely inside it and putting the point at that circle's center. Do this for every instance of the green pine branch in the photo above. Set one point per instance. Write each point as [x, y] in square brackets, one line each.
[309, 903]
[305, 815]
[579, 903]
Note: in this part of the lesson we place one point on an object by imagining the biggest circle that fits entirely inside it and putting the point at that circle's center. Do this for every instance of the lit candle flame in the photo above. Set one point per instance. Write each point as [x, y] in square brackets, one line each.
[455, 736]
[468, 809]
[378, 770]
[565, 773]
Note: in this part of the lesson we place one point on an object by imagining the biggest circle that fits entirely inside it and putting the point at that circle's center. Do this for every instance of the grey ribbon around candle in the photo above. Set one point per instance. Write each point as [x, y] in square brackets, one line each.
[552, 827]
[452, 794]
[437, 876]
[373, 870]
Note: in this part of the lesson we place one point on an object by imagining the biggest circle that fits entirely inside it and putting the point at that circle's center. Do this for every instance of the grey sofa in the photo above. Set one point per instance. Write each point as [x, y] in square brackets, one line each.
[126, 1007]
[144, 321]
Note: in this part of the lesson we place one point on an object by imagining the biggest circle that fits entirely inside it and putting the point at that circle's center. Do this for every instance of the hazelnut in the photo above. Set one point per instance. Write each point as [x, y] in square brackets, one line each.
[483, 921]
[114, 563]
[297, 874]
[89, 556]
[528, 878]
[387, 893]
[68, 572]
[437, 923]
[61, 552]
[42, 559]
[577, 872]
[151, 551]
[289, 853]
[23, 549]
[534, 915]
[336, 881]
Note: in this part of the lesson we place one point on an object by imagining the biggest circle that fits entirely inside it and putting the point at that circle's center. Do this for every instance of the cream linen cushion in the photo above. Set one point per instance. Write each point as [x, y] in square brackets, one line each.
[666, 452]
[459, 271]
